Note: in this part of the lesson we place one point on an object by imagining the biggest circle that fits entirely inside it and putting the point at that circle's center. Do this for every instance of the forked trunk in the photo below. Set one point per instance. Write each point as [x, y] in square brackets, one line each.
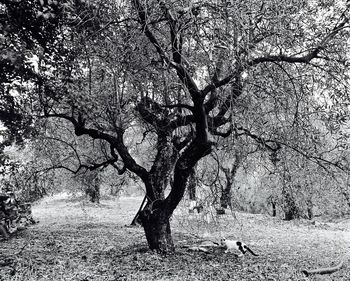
[156, 214]
[157, 231]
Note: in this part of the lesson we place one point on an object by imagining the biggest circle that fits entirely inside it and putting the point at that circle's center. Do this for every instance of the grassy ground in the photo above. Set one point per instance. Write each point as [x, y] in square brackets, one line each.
[81, 241]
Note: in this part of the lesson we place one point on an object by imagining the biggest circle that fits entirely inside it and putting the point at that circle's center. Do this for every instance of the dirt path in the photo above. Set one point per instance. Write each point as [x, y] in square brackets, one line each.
[83, 241]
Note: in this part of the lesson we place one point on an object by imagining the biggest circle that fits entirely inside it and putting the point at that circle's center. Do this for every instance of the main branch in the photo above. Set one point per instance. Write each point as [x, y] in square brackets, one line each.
[116, 142]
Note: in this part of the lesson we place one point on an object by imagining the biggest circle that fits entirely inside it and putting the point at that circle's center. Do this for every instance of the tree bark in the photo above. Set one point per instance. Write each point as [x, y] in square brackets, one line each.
[230, 173]
[94, 193]
[195, 151]
[156, 225]
[291, 211]
[155, 216]
[274, 211]
[310, 213]
[347, 197]
[191, 185]
[135, 219]
[225, 199]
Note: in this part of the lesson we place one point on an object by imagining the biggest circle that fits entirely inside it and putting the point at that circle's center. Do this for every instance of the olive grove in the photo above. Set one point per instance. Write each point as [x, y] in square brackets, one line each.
[159, 84]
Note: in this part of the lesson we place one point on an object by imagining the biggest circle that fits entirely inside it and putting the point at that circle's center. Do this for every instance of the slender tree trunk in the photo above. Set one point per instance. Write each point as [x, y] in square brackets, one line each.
[291, 211]
[191, 185]
[274, 211]
[226, 199]
[310, 213]
[273, 201]
[94, 193]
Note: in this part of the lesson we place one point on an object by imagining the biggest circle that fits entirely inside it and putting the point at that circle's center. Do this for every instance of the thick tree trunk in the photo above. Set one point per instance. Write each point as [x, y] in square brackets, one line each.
[155, 216]
[157, 230]
[168, 161]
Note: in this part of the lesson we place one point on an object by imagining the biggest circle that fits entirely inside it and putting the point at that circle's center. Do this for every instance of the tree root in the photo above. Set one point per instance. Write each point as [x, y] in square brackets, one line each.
[324, 270]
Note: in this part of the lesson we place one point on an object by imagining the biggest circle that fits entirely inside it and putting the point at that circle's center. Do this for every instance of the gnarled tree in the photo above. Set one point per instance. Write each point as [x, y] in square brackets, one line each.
[172, 73]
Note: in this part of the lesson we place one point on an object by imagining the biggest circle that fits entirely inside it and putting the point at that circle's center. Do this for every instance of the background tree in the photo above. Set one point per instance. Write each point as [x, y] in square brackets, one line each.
[20, 173]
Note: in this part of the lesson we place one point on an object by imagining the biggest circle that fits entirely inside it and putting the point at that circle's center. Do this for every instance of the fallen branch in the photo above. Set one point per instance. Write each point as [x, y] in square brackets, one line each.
[197, 249]
[209, 243]
[203, 246]
[325, 270]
